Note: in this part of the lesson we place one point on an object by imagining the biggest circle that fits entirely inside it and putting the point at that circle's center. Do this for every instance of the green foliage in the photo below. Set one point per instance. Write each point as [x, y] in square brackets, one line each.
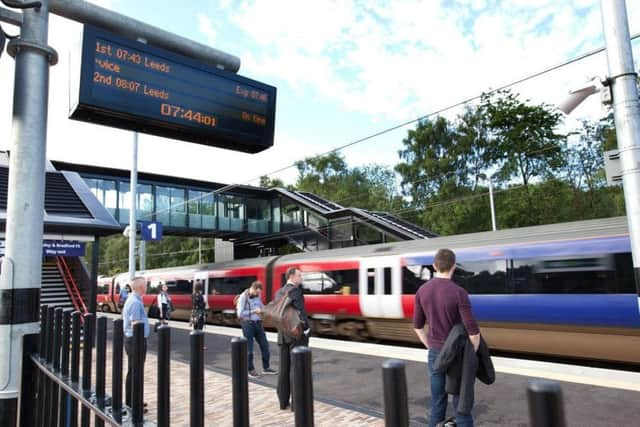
[170, 251]
[538, 178]
[524, 143]
[370, 187]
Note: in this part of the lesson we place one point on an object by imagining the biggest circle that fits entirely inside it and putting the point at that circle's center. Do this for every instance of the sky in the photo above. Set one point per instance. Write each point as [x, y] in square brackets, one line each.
[343, 70]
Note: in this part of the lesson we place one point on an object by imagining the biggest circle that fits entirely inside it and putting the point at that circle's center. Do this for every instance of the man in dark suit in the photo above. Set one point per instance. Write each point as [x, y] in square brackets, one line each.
[286, 344]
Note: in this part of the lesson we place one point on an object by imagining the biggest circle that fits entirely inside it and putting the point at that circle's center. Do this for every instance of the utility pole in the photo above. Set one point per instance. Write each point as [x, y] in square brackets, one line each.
[22, 263]
[133, 229]
[626, 107]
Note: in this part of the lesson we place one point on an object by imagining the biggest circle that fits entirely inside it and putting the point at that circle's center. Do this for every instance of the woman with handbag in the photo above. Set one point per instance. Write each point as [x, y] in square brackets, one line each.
[164, 304]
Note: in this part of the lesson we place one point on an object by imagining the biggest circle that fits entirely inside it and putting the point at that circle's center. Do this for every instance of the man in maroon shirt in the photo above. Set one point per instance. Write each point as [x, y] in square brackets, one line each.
[441, 304]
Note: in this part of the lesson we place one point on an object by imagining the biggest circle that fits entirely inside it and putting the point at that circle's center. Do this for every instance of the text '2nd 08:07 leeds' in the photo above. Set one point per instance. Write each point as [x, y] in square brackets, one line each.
[108, 75]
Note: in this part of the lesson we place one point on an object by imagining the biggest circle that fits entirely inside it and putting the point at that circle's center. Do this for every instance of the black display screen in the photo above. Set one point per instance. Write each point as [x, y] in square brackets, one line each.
[131, 85]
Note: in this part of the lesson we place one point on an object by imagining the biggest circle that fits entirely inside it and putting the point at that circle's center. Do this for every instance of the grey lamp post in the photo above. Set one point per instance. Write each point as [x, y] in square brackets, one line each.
[493, 209]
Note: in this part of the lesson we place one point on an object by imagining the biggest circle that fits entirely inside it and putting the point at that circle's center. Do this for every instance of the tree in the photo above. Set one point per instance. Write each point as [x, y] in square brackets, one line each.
[426, 162]
[266, 182]
[523, 138]
[370, 187]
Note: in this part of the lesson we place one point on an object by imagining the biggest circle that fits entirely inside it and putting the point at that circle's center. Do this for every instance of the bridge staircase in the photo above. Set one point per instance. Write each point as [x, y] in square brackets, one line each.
[59, 287]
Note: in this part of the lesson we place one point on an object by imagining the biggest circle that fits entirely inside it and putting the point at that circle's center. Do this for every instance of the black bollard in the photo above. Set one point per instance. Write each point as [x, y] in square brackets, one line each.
[64, 366]
[48, 405]
[302, 396]
[42, 344]
[87, 344]
[116, 370]
[240, 382]
[137, 374]
[57, 335]
[42, 378]
[101, 361]
[164, 377]
[545, 404]
[75, 364]
[394, 383]
[197, 378]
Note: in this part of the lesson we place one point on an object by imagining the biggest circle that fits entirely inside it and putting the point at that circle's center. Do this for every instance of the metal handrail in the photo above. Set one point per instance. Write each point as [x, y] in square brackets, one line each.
[71, 286]
[74, 390]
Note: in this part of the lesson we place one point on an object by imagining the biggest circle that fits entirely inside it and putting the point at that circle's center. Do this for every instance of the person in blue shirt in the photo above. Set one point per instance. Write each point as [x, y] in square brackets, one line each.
[249, 310]
[124, 294]
[133, 312]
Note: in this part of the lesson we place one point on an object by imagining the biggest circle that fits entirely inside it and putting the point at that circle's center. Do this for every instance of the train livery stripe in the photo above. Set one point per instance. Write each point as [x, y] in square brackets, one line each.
[609, 310]
[615, 244]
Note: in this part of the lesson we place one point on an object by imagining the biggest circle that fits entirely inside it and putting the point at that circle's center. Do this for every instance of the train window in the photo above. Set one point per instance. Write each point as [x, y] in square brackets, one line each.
[343, 282]
[103, 289]
[413, 276]
[179, 286]
[482, 277]
[231, 285]
[153, 287]
[387, 280]
[570, 275]
[624, 274]
[371, 281]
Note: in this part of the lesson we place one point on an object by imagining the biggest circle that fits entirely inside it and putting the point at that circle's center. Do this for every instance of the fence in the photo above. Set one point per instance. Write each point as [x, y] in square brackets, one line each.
[53, 393]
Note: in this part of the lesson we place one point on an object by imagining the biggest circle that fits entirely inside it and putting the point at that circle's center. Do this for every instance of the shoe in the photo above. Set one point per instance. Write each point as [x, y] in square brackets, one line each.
[254, 374]
[283, 407]
[269, 371]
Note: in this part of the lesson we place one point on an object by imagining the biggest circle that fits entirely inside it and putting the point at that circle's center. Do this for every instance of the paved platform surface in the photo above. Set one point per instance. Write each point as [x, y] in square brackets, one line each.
[348, 386]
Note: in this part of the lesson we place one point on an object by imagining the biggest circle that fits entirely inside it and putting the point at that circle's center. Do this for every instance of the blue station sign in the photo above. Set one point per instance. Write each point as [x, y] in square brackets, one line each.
[130, 85]
[62, 248]
[150, 230]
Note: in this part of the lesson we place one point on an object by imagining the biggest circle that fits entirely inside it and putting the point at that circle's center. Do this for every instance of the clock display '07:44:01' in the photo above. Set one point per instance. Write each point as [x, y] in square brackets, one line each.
[187, 114]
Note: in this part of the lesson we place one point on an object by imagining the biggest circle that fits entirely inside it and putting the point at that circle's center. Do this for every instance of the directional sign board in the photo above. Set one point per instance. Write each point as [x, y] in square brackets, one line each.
[150, 230]
[56, 248]
[127, 84]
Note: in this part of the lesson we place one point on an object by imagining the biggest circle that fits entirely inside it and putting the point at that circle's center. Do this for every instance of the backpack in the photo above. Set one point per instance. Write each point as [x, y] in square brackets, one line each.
[237, 297]
[284, 316]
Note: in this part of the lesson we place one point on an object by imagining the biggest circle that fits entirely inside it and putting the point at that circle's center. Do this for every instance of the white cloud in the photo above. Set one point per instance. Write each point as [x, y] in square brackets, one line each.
[206, 27]
[390, 61]
[416, 50]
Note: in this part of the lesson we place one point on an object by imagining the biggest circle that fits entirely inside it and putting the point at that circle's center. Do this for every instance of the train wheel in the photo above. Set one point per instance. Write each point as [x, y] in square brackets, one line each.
[353, 330]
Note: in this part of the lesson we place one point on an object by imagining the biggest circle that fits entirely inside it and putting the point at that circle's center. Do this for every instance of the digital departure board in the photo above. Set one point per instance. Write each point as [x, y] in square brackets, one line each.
[130, 85]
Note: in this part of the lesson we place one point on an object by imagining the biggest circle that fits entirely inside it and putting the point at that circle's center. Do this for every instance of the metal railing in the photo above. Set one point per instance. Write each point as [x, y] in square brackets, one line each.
[70, 284]
[57, 395]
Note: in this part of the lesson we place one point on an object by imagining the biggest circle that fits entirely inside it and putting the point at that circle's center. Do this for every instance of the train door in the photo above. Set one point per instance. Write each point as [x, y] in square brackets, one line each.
[203, 278]
[380, 287]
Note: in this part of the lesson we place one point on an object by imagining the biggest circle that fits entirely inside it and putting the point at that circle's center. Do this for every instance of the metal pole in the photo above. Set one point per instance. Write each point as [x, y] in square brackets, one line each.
[132, 209]
[239, 382]
[199, 250]
[545, 404]
[396, 406]
[626, 107]
[143, 255]
[89, 13]
[95, 257]
[22, 265]
[493, 209]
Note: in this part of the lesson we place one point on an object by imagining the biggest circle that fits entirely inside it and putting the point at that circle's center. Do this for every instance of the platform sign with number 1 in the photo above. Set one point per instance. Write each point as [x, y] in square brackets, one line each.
[150, 230]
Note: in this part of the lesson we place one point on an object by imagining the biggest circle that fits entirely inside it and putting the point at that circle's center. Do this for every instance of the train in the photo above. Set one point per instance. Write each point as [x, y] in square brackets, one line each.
[565, 290]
